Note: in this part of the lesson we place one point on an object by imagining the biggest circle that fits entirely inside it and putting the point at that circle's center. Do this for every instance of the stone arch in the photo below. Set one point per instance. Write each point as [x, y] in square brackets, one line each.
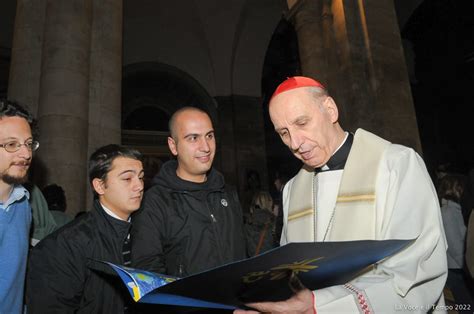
[162, 87]
[254, 28]
[281, 61]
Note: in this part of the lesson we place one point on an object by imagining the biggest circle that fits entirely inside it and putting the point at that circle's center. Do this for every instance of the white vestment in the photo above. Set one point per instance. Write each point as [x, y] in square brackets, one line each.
[405, 207]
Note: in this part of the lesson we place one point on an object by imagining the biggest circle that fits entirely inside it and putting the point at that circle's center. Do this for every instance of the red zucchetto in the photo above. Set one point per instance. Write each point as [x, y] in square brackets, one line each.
[296, 82]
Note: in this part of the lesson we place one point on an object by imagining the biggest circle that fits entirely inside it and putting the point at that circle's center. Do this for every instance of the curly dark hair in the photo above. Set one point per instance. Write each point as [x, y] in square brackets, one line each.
[10, 108]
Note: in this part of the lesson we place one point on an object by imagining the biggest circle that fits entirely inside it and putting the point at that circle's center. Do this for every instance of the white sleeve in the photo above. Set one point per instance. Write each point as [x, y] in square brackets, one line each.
[412, 280]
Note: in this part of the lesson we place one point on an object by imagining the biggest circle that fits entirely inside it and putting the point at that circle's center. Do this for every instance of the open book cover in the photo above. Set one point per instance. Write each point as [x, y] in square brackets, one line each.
[266, 277]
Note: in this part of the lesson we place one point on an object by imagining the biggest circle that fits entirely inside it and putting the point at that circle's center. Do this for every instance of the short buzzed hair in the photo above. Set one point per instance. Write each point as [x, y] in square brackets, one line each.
[172, 121]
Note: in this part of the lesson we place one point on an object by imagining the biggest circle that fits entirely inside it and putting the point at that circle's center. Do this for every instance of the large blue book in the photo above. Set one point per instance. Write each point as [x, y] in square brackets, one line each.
[271, 276]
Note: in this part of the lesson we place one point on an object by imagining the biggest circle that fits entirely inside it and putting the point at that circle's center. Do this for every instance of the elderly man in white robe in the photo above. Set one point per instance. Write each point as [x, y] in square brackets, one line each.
[357, 187]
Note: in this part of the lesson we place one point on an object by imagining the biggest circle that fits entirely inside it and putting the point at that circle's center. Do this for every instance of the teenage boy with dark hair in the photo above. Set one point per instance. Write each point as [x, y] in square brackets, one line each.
[59, 279]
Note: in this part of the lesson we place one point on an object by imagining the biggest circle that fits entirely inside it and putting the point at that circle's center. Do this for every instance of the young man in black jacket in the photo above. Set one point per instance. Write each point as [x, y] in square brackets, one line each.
[190, 220]
[59, 279]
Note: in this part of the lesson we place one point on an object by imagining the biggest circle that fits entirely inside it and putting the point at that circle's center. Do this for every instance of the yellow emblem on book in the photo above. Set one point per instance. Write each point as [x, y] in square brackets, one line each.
[282, 271]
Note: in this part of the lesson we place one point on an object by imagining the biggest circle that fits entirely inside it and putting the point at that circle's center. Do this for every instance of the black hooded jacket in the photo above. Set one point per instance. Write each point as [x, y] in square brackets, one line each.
[184, 227]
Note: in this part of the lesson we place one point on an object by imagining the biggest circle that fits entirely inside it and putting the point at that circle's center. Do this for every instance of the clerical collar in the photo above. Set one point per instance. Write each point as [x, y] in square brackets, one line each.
[339, 158]
[112, 214]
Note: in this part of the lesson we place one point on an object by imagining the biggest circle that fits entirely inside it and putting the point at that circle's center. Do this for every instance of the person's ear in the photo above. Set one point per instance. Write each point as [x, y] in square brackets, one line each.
[331, 108]
[99, 186]
[172, 146]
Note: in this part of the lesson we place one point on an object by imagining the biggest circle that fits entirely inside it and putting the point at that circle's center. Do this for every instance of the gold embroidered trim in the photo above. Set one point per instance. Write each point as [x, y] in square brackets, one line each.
[356, 198]
[301, 213]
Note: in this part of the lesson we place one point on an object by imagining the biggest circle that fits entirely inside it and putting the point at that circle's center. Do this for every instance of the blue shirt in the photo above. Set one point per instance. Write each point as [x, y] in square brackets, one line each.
[15, 220]
[17, 194]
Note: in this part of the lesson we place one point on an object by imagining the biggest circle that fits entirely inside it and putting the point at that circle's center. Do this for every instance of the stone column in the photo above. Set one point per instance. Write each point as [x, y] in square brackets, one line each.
[105, 74]
[354, 67]
[354, 47]
[105, 89]
[25, 66]
[396, 118]
[313, 22]
[64, 97]
[307, 18]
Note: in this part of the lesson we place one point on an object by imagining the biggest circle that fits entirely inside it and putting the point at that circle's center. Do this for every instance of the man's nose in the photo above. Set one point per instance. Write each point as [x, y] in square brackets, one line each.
[24, 152]
[204, 145]
[295, 142]
[139, 185]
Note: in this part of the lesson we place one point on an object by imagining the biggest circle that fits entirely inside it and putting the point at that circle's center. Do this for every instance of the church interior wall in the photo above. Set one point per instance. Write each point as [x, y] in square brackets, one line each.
[223, 49]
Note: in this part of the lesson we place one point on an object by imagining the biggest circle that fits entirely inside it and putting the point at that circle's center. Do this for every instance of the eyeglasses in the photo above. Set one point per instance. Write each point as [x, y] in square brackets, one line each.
[14, 146]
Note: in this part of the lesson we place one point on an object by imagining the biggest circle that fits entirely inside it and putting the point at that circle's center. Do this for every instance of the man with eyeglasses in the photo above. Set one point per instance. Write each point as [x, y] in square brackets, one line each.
[16, 149]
